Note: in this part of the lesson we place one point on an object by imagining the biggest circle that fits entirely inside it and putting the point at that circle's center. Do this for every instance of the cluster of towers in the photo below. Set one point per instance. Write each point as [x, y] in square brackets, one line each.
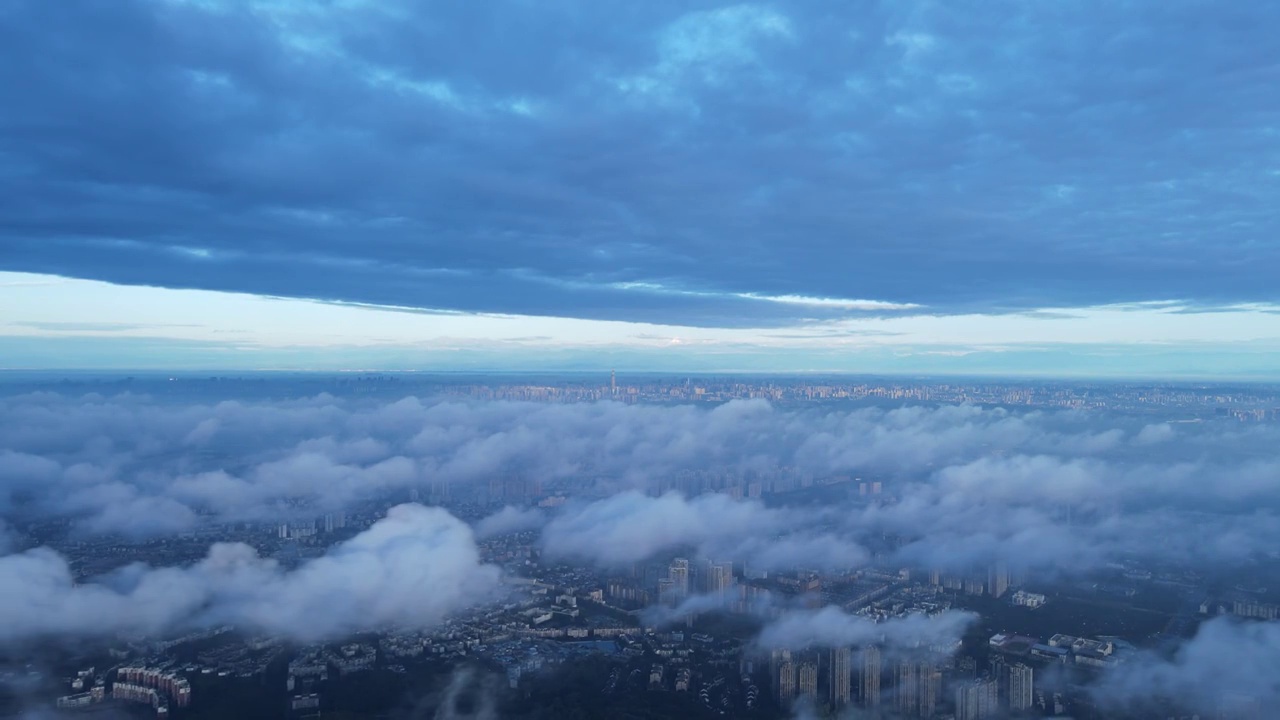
[168, 684]
[152, 686]
[904, 687]
[706, 577]
[982, 697]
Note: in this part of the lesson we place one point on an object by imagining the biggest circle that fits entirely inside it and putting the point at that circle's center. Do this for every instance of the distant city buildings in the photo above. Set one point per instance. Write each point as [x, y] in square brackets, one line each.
[1021, 687]
[807, 678]
[906, 698]
[840, 676]
[783, 672]
[1241, 405]
[1026, 599]
[334, 521]
[678, 574]
[869, 688]
[977, 700]
[998, 580]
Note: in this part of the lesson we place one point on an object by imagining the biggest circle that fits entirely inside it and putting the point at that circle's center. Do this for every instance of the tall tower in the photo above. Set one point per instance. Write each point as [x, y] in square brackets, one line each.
[716, 579]
[1021, 679]
[840, 680]
[613, 383]
[870, 686]
[807, 685]
[906, 696]
[930, 689]
[679, 576]
[783, 670]
[998, 579]
[998, 669]
[977, 700]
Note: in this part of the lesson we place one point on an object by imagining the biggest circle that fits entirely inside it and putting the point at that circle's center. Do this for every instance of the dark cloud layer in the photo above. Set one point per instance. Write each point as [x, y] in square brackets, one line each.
[664, 162]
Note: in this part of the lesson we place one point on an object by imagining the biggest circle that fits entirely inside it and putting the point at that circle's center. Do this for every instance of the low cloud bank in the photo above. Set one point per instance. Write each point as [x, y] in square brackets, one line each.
[1229, 667]
[410, 569]
[832, 627]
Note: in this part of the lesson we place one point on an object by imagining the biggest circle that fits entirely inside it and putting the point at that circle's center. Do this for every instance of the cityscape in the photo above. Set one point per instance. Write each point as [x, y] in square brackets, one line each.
[824, 618]
[657, 360]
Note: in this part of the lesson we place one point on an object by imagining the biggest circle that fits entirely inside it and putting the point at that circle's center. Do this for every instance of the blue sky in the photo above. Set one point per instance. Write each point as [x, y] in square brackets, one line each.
[1069, 187]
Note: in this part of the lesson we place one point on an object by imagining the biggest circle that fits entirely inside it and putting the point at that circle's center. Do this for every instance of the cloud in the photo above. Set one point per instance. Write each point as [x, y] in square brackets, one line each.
[832, 627]
[1224, 668]
[563, 159]
[410, 569]
[631, 526]
[509, 520]
[964, 485]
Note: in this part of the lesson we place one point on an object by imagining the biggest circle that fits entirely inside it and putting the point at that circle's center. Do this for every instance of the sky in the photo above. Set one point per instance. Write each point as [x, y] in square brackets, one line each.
[1079, 188]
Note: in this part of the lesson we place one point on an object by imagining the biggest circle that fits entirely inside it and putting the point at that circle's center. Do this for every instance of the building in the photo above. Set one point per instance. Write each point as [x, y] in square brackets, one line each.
[79, 700]
[977, 700]
[998, 670]
[1026, 599]
[1021, 687]
[840, 677]
[784, 677]
[906, 698]
[1252, 608]
[682, 679]
[930, 689]
[335, 521]
[869, 688]
[667, 592]
[678, 574]
[807, 679]
[721, 580]
[998, 580]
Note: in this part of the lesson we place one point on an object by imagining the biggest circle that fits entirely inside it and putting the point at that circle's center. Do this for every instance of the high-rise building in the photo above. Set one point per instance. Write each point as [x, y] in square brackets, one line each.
[613, 383]
[667, 592]
[783, 672]
[840, 677]
[807, 678]
[869, 688]
[334, 521]
[998, 670]
[1021, 687]
[721, 580]
[678, 573]
[930, 689]
[998, 579]
[977, 700]
[906, 697]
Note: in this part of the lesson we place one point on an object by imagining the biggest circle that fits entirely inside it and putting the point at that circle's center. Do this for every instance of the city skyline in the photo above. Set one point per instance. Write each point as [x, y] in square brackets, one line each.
[767, 547]
[697, 359]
